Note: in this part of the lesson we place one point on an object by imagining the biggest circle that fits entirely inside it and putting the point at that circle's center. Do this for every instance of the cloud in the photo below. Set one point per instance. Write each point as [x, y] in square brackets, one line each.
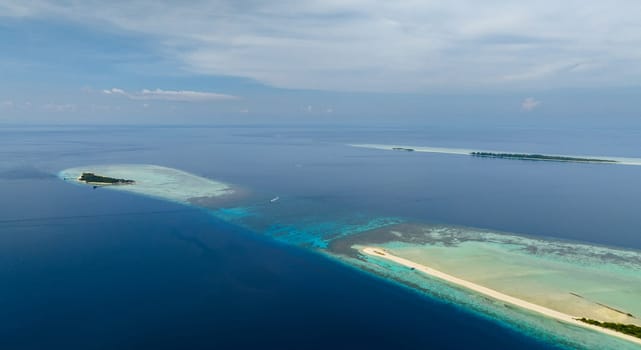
[114, 91]
[368, 45]
[53, 107]
[529, 104]
[542, 71]
[14, 105]
[171, 95]
[182, 95]
[17, 9]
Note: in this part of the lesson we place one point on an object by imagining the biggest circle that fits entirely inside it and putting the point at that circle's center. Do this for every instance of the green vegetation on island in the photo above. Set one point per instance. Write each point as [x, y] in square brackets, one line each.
[628, 329]
[93, 178]
[402, 149]
[525, 156]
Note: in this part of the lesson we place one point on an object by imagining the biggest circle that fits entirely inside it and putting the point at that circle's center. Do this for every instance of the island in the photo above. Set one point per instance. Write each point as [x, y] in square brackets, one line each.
[154, 181]
[543, 157]
[506, 154]
[629, 329]
[623, 331]
[94, 179]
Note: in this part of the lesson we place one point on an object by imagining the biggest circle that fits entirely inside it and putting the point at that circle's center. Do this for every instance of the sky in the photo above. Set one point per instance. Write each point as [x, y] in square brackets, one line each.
[208, 61]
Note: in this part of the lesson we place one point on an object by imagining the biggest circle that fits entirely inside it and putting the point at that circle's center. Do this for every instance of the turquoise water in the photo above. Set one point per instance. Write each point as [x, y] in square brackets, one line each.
[620, 263]
[329, 193]
[233, 214]
[535, 325]
[319, 232]
[314, 234]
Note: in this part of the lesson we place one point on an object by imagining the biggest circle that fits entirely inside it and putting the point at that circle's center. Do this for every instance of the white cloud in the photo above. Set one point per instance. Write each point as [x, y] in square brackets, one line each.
[529, 104]
[114, 91]
[369, 45]
[540, 72]
[171, 95]
[18, 9]
[181, 95]
[6, 104]
[53, 107]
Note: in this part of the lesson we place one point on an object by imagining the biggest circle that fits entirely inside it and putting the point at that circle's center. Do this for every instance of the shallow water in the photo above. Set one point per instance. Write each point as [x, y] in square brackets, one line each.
[574, 278]
[564, 276]
[329, 192]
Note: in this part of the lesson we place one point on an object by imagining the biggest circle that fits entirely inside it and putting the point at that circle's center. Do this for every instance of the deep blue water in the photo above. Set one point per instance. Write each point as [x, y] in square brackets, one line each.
[127, 272]
[100, 269]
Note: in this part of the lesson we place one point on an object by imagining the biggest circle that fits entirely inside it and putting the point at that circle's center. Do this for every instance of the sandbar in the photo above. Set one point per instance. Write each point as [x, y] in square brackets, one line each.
[381, 253]
[154, 181]
[468, 152]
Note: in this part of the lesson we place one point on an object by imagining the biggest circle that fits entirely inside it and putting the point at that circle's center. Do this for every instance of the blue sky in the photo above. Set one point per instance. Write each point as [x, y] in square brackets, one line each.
[163, 61]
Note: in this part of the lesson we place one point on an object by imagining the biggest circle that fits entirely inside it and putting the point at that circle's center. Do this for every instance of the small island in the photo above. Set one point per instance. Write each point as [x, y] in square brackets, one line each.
[152, 181]
[542, 157]
[94, 179]
[628, 329]
[403, 149]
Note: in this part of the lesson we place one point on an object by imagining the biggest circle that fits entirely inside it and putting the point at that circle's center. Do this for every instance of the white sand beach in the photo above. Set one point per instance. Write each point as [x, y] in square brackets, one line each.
[570, 319]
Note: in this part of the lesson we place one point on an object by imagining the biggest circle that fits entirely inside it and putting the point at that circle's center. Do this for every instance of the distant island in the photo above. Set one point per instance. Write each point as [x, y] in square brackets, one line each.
[629, 329]
[543, 157]
[506, 155]
[94, 179]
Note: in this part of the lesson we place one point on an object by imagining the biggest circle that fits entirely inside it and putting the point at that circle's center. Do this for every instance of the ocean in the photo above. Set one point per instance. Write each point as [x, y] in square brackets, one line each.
[99, 269]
